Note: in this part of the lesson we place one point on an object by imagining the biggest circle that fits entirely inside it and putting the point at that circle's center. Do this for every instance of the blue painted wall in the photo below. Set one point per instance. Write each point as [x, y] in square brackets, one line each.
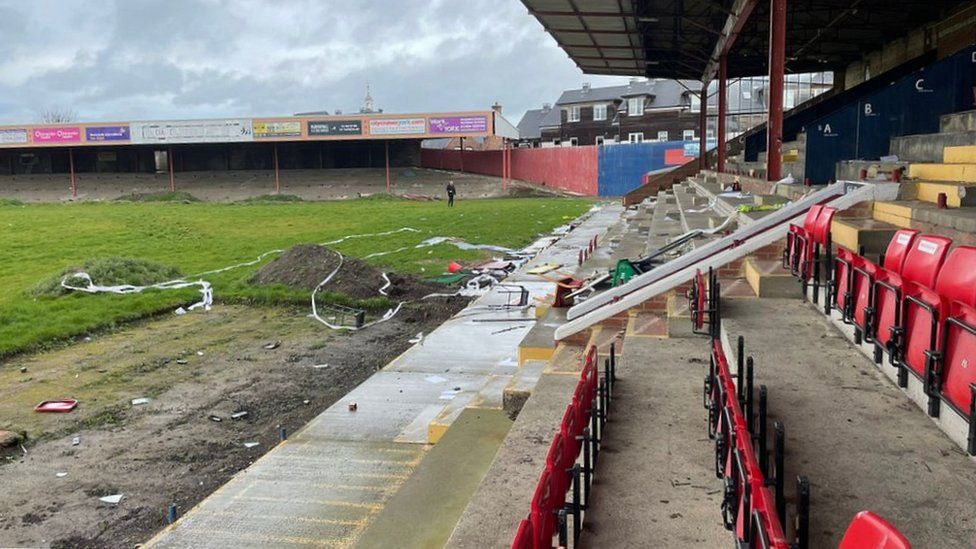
[622, 167]
[863, 128]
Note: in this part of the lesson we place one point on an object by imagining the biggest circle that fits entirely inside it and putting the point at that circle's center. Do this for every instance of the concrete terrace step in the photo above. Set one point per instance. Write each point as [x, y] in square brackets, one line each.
[929, 147]
[943, 172]
[862, 443]
[958, 121]
[853, 233]
[768, 278]
[965, 154]
[956, 195]
[655, 484]
[909, 213]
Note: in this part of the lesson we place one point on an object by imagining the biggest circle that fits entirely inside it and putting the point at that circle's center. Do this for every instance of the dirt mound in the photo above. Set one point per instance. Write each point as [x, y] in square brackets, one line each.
[306, 265]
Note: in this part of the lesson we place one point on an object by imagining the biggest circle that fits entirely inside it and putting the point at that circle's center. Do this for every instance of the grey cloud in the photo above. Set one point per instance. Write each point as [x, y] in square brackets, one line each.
[144, 59]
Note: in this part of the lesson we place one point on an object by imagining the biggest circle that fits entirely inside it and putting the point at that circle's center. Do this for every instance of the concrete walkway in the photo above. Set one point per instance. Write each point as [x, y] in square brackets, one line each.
[654, 484]
[328, 482]
[862, 443]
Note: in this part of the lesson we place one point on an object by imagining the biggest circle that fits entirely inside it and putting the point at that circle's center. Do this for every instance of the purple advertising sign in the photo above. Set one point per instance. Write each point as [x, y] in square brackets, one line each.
[458, 124]
[107, 133]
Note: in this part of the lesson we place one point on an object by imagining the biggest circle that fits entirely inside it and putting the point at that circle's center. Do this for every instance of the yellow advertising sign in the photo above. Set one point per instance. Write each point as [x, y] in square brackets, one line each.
[277, 129]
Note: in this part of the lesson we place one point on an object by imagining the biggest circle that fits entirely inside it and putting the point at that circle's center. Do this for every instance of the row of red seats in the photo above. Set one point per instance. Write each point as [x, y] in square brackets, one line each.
[750, 507]
[918, 306]
[578, 433]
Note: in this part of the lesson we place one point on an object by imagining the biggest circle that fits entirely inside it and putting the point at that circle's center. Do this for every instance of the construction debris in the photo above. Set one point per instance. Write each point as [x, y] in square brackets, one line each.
[140, 401]
[113, 499]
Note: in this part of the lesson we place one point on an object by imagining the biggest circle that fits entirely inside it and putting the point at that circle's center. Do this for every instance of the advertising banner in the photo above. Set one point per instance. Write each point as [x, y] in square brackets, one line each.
[289, 128]
[107, 133]
[18, 135]
[192, 131]
[458, 124]
[397, 126]
[57, 134]
[335, 127]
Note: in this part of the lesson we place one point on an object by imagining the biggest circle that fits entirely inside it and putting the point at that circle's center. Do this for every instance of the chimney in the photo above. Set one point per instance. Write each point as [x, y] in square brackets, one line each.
[497, 107]
[546, 107]
[586, 87]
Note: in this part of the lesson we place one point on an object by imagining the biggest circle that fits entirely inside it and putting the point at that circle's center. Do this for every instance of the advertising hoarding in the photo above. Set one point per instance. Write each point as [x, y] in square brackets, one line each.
[335, 127]
[458, 124]
[289, 128]
[18, 135]
[397, 126]
[57, 134]
[192, 131]
[107, 133]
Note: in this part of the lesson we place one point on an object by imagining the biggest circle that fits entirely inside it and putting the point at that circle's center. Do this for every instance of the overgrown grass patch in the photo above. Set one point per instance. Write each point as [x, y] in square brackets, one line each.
[42, 240]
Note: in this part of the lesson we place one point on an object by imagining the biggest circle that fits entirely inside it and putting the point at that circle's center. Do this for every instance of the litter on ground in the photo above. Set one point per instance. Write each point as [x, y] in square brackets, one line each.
[140, 401]
[58, 406]
[113, 499]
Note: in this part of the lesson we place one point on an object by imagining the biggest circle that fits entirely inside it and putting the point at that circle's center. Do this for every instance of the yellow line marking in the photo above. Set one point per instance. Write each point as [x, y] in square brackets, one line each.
[293, 540]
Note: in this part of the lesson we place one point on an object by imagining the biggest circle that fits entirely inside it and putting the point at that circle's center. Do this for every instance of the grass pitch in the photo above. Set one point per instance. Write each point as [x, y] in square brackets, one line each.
[41, 240]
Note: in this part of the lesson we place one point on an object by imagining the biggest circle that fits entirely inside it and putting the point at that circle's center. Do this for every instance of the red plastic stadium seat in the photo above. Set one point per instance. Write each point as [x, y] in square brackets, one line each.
[922, 265]
[925, 310]
[571, 428]
[864, 271]
[869, 531]
[556, 462]
[797, 232]
[959, 344]
[523, 536]
[842, 279]
[542, 511]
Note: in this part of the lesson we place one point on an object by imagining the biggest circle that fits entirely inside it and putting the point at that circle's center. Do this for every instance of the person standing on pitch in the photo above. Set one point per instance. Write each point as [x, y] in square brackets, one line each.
[451, 191]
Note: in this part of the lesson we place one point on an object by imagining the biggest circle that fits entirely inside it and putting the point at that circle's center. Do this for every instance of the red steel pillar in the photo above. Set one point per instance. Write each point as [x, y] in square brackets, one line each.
[461, 140]
[387, 151]
[722, 106]
[703, 127]
[777, 68]
[277, 174]
[172, 178]
[71, 168]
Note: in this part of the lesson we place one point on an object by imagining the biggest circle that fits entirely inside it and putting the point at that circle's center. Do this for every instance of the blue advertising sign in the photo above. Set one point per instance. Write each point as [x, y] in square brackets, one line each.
[107, 133]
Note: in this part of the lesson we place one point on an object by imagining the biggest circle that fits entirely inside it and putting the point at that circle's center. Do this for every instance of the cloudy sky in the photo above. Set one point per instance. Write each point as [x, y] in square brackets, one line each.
[159, 59]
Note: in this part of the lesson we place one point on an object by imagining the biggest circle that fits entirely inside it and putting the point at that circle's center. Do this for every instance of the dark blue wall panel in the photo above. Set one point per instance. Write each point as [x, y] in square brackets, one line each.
[622, 167]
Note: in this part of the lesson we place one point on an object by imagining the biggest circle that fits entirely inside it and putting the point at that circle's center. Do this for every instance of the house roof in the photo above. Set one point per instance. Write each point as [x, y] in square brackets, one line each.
[532, 122]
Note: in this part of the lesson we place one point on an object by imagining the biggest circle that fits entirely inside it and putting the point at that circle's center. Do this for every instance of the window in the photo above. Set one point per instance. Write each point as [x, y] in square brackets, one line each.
[662, 136]
[636, 137]
[574, 113]
[599, 112]
[747, 94]
[709, 134]
[688, 135]
[573, 141]
[695, 102]
[635, 106]
[599, 140]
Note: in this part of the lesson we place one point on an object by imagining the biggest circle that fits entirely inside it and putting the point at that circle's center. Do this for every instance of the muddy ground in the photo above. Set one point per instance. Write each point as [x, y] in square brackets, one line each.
[232, 186]
[170, 451]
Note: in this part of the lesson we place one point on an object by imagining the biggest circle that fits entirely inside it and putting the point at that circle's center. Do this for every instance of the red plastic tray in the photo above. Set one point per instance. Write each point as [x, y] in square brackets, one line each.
[59, 406]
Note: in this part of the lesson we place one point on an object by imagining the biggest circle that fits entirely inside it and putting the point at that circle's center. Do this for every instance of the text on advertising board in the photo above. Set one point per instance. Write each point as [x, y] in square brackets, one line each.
[107, 133]
[459, 124]
[397, 126]
[335, 127]
[57, 135]
[277, 129]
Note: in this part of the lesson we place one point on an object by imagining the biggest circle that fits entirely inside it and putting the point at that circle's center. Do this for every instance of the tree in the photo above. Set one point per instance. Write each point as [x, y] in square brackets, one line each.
[57, 115]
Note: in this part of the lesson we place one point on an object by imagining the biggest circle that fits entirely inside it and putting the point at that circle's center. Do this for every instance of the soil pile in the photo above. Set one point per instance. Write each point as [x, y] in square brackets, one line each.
[306, 265]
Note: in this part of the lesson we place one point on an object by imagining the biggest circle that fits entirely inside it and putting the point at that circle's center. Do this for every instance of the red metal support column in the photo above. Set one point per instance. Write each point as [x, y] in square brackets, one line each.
[703, 127]
[777, 68]
[71, 167]
[172, 178]
[277, 174]
[386, 145]
[722, 106]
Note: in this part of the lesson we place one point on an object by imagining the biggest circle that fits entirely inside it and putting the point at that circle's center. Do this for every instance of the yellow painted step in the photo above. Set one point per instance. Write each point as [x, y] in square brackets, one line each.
[855, 233]
[956, 195]
[943, 172]
[768, 278]
[894, 213]
[965, 154]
